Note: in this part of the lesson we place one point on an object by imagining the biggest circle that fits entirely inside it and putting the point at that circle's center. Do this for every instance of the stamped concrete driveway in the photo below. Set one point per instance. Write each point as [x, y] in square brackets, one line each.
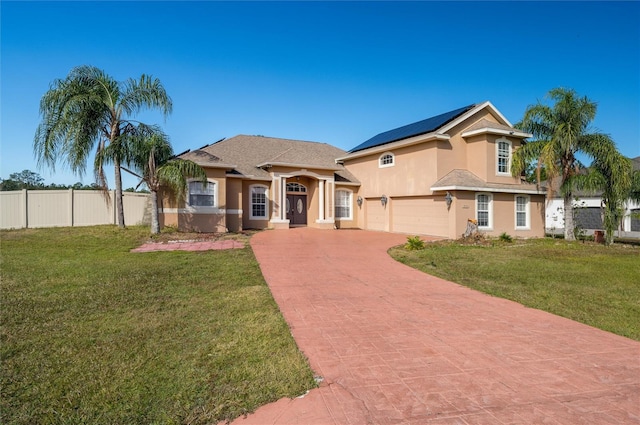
[397, 346]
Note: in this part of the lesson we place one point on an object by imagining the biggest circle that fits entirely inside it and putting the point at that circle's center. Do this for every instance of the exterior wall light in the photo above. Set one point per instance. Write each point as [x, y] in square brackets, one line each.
[359, 201]
[383, 200]
[448, 199]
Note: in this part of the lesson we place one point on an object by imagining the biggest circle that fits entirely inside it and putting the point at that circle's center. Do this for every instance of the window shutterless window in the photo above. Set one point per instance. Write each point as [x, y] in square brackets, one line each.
[343, 204]
[522, 212]
[386, 160]
[259, 202]
[504, 153]
[295, 187]
[201, 195]
[483, 210]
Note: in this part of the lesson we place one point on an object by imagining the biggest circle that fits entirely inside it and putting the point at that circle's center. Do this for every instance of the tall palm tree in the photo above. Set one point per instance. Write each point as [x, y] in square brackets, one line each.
[560, 132]
[89, 109]
[151, 155]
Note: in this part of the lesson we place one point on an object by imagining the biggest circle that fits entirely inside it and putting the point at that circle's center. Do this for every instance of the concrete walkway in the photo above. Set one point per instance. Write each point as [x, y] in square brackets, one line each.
[397, 346]
[189, 246]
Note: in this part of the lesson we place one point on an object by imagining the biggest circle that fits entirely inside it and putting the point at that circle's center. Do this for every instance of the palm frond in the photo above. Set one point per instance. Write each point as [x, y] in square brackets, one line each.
[147, 92]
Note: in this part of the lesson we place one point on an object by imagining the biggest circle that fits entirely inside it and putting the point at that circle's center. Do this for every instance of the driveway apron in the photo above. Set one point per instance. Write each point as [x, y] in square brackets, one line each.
[397, 346]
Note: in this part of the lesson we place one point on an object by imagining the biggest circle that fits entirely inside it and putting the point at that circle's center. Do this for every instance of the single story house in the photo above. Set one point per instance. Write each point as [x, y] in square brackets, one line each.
[589, 212]
[425, 178]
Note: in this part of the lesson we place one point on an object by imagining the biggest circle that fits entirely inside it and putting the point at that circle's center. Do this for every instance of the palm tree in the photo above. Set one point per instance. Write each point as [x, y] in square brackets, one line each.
[151, 155]
[610, 173]
[560, 132]
[89, 109]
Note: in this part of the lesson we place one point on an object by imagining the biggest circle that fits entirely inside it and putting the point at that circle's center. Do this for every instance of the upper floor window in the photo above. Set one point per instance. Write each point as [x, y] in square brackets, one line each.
[503, 160]
[484, 212]
[202, 195]
[259, 201]
[295, 187]
[387, 159]
[522, 212]
[344, 200]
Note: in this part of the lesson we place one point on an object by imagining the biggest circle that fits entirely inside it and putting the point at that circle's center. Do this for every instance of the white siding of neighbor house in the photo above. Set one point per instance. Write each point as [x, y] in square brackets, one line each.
[554, 215]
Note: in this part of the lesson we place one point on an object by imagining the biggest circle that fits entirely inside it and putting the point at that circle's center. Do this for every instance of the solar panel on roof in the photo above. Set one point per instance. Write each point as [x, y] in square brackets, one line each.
[421, 127]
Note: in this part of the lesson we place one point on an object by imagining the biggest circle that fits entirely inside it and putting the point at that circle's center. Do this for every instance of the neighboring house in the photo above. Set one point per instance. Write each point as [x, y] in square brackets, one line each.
[426, 178]
[588, 211]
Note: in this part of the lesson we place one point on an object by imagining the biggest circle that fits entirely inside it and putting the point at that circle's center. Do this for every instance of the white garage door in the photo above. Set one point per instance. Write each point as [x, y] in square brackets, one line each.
[375, 215]
[420, 216]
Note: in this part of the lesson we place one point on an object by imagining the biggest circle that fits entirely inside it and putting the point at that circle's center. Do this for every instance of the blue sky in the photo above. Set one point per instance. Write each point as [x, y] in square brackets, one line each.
[334, 72]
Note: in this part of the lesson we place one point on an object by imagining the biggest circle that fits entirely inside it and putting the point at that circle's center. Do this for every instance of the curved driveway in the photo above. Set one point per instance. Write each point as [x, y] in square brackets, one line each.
[397, 346]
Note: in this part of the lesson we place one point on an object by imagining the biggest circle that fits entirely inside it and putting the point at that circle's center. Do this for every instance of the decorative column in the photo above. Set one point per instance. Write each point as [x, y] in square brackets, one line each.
[321, 200]
[283, 198]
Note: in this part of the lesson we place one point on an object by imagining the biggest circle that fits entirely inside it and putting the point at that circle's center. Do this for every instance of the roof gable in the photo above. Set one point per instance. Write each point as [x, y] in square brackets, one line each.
[252, 155]
[421, 127]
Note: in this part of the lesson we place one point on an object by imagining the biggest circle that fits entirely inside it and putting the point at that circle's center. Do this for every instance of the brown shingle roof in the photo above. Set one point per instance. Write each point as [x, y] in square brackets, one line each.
[246, 154]
[466, 180]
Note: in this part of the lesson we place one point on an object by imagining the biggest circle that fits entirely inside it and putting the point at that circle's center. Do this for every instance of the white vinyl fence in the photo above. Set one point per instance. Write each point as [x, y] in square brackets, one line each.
[53, 208]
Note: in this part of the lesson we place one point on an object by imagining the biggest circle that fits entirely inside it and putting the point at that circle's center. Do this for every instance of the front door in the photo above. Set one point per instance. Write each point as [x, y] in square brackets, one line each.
[297, 209]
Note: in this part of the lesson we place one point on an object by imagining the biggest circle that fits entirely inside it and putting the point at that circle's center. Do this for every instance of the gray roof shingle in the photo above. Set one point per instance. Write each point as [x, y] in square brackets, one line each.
[463, 179]
[243, 155]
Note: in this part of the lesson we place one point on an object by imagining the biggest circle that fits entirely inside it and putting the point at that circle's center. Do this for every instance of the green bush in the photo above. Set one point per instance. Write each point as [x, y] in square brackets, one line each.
[414, 243]
[505, 237]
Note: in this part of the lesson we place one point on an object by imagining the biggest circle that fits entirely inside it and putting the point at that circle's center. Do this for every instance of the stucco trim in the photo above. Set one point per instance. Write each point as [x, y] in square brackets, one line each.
[472, 112]
[200, 210]
[488, 189]
[497, 131]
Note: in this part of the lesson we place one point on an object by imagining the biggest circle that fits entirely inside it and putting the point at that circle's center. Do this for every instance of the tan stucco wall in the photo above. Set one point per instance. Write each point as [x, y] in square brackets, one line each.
[234, 208]
[412, 174]
[464, 207]
[195, 221]
[355, 211]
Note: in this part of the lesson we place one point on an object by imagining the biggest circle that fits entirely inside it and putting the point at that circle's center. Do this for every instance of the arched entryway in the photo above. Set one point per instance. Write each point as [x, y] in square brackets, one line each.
[296, 204]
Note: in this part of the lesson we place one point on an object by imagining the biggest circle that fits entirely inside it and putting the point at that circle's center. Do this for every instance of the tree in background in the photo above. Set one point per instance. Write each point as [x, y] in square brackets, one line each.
[89, 109]
[152, 157]
[560, 132]
[26, 179]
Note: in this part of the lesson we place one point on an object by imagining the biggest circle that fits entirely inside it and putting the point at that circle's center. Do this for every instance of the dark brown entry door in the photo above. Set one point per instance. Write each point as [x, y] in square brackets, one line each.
[297, 209]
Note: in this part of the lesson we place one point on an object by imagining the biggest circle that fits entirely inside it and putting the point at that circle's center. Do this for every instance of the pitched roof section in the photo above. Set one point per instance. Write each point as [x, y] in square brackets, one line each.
[466, 180]
[247, 156]
[421, 127]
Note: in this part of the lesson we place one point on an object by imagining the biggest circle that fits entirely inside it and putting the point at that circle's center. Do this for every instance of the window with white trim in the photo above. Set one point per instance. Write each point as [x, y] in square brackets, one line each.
[202, 195]
[344, 200]
[296, 187]
[522, 212]
[387, 159]
[484, 211]
[259, 202]
[503, 156]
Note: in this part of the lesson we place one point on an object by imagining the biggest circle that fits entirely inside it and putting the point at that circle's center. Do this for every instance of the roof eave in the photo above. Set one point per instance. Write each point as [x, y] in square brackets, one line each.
[421, 138]
[473, 111]
[498, 131]
[487, 189]
[293, 165]
[222, 166]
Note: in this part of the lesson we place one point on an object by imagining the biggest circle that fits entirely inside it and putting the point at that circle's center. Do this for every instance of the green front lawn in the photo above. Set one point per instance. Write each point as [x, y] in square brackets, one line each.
[91, 333]
[586, 282]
